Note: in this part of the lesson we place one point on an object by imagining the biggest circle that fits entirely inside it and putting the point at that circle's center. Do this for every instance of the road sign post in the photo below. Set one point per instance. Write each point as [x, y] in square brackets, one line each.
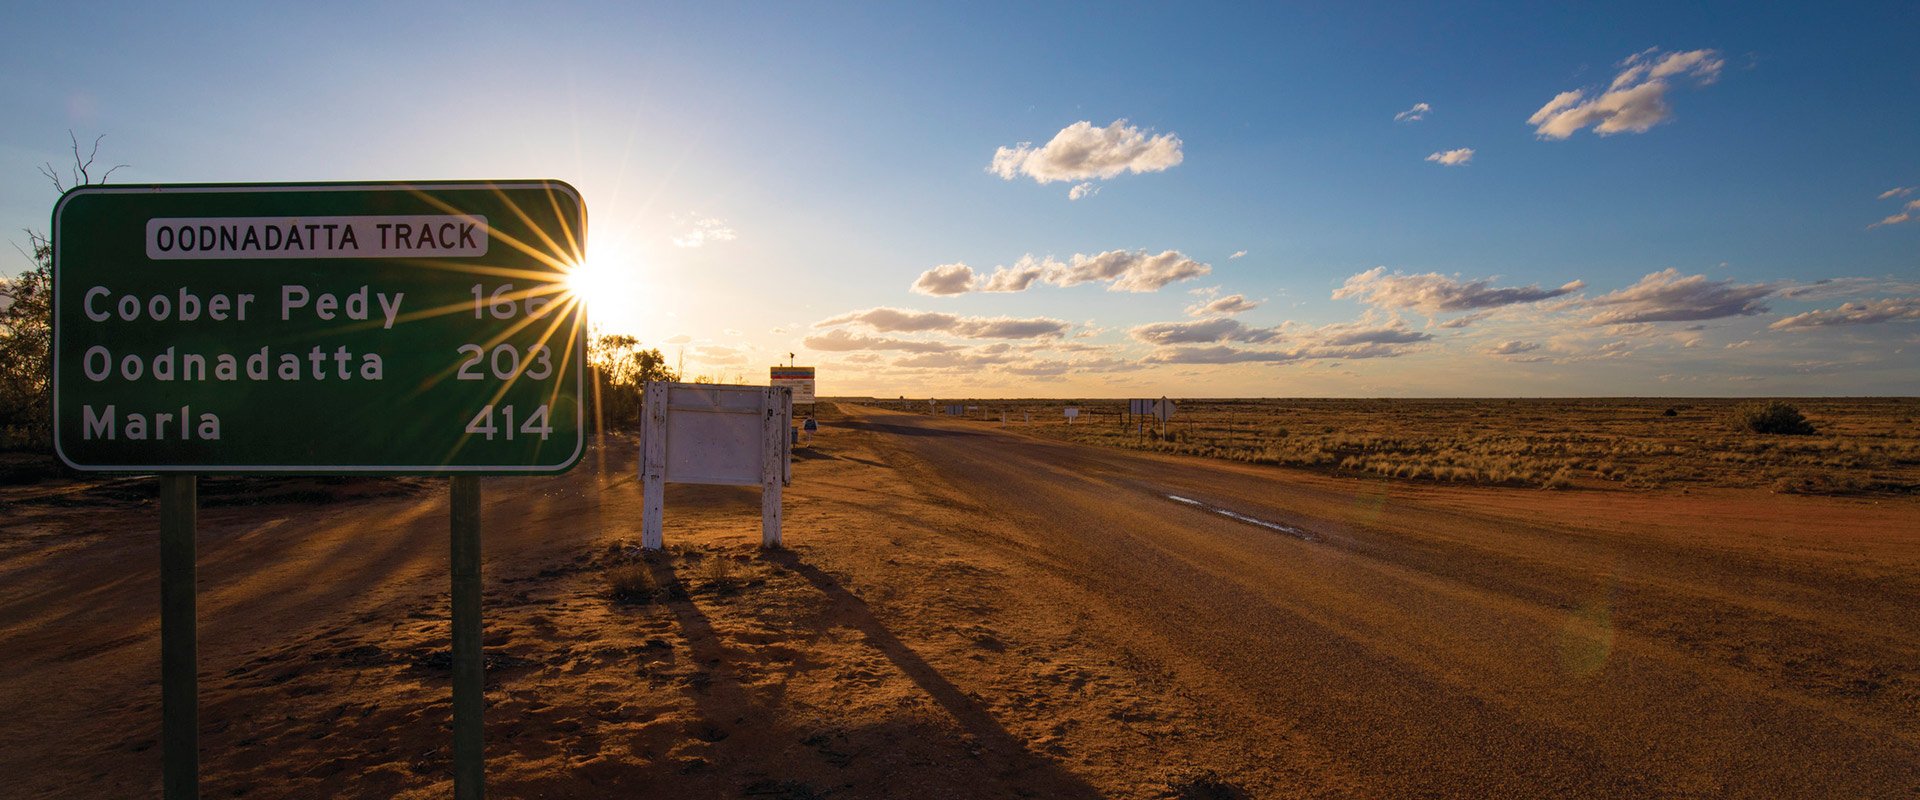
[319, 329]
[179, 641]
[469, 665]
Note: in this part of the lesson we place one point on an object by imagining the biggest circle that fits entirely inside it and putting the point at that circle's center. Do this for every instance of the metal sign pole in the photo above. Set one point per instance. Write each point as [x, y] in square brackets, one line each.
[469, 759]
[179, 661]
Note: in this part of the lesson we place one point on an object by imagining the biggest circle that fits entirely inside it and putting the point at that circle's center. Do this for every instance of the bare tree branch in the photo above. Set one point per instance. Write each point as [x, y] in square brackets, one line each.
[82, 173]
[52, 175]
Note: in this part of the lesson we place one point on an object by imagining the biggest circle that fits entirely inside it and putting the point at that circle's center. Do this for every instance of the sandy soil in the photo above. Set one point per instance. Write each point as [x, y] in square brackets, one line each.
[969, 612]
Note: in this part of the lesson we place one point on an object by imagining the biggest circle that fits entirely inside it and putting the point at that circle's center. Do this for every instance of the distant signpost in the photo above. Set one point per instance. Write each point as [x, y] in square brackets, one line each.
[318, 329]
[797, 379]
[326, 328]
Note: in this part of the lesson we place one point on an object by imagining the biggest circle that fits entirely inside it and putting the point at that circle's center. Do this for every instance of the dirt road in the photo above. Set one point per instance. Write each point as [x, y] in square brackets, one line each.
[1412, 641]
[969, 612]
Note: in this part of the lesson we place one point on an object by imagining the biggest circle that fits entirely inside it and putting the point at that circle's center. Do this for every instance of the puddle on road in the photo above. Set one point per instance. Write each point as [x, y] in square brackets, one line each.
[1273, 526]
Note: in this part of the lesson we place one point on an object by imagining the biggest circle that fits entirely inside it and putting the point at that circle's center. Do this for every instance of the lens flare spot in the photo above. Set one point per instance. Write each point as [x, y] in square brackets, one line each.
[1586, 638]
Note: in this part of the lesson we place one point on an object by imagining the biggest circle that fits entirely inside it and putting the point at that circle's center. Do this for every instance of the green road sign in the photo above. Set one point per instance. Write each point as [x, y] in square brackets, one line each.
[319, 328]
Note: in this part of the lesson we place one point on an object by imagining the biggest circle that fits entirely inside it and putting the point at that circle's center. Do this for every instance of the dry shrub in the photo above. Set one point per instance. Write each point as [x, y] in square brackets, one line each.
[633, 583]
[1207, 785]
[1773, 416]
[719, 574]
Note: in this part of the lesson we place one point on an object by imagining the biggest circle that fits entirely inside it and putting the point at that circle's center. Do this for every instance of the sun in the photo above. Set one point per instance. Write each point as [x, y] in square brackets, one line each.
[608, 283]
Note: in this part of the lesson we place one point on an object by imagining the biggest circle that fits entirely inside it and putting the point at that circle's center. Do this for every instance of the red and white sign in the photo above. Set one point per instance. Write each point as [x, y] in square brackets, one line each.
[799, 379]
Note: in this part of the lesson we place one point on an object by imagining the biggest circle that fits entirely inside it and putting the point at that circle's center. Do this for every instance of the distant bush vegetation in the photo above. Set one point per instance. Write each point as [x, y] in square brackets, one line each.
[1862, 445]
[1773, 416]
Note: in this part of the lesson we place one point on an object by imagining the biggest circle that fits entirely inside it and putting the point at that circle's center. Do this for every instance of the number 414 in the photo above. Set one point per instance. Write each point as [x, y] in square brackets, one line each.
[536, 422]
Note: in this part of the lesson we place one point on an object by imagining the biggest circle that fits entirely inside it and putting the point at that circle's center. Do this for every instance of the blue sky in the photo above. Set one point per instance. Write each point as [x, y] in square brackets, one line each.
[822, 158]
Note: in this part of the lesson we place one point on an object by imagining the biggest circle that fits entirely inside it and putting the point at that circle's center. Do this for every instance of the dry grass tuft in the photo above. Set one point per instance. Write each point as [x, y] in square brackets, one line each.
[719, 574]
[633, 582]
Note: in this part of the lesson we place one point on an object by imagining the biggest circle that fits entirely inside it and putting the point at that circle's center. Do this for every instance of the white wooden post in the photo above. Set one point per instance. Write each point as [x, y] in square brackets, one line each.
[774, 431]
[653, 465]
[786, 438]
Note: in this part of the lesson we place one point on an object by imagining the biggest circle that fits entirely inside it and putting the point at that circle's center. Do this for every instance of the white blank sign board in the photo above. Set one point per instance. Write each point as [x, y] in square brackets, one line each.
[714, 434]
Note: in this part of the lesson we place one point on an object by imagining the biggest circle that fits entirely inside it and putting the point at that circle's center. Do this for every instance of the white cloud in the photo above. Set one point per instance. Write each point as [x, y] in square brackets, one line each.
[1849, 288]
[897, 320]
[1136, 271]
[1466, 320]
[1368, 337]
[1366, 331]
[1236, 254]
[1203, 331]
[1866, 313]
[840, 340]
[1015, 278]
[680, 339]
[1668, 296]
[952, 279]
[1222, 306]
[1633, 103]
[1121, 270]
[1897, 191]
[1909, 211]
[1459, 156]
[945, 279]
[1080, 190]
[697, 231]
[894, 320]
[1081, 152]
[1433, 293]
[718, 355]
[1512, 348]
[1010, 327]
[1219, 354]
[1415, 114]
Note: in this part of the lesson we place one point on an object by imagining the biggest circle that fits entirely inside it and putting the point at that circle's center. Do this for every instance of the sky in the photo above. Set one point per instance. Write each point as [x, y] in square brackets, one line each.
[1037, 200]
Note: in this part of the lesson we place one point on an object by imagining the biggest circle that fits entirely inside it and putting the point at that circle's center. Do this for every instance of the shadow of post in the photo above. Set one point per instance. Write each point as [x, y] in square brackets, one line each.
[1043, 776]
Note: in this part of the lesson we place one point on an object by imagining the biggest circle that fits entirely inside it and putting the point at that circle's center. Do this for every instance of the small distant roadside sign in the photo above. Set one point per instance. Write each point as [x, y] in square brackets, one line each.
[319, 328]
[798, 379]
